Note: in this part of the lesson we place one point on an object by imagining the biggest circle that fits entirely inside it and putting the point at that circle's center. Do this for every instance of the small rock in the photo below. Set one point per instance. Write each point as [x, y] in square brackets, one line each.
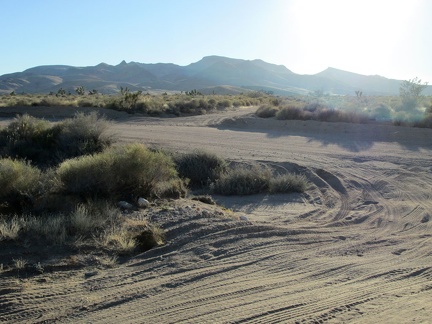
[143, 203]
[125, 205]
[90, 274]
[244, 218]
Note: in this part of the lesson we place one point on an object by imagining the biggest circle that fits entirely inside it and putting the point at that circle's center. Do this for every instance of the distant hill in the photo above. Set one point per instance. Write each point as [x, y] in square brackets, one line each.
[212, 74]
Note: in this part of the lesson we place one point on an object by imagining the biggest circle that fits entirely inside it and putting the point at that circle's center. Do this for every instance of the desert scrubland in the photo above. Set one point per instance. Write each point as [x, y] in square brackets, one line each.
[354, 247]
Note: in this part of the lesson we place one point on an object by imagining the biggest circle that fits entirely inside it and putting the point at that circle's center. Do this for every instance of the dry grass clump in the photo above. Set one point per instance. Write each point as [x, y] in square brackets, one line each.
[242, 180]
[200, 167]
[10, 228]
[290, 182]
[249, 180]
[96, 224]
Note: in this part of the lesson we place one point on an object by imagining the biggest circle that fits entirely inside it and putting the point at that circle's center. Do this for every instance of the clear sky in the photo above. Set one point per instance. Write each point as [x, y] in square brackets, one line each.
[392, 38]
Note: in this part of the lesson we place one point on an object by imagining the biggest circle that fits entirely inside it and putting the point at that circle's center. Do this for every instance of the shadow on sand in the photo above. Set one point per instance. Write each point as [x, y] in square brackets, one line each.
[350, 137]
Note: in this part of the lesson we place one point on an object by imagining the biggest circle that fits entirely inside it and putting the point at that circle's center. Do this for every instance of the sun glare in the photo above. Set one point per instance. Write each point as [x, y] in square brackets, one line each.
[340, 32]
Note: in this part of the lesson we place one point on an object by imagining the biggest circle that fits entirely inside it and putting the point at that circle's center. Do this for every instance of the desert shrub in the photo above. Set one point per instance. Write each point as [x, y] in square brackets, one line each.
[83, 134]
[45, 145]
[20, 184]
[426, 122]
[200, 167]
[286, 183]
[314, 106]
[174, 188]
[223, 104]
[212, 103]
[125, 101]
[238, 103]
[51, 101]
[328, 115]
[382, 112]
[151, 107]
[91, 101]
[117, 172]
[243, 180]
[289, 113]
[29, 138]
[267, 111]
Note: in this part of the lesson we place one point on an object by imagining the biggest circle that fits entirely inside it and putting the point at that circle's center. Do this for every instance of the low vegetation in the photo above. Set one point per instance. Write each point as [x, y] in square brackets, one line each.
[201, 168]
[176, 104]
[96, 224]
[45, 144]
[409, 108]
[61, 184]
[119, 172]
[249, 180]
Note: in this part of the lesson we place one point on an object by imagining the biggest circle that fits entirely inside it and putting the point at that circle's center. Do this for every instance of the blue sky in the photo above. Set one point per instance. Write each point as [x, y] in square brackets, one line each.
[391, 38]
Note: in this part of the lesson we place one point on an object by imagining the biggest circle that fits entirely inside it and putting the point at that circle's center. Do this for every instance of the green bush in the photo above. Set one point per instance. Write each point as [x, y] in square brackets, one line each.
[44, 145]
[20, 184]
[267, 111]
[290, 113]
[83, 134]
[249, 180]
[118, 172]
[28, 138]
[200, 167]
[243, 180]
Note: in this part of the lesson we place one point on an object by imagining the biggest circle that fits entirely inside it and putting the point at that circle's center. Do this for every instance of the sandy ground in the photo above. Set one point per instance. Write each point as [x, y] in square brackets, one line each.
[355, 248]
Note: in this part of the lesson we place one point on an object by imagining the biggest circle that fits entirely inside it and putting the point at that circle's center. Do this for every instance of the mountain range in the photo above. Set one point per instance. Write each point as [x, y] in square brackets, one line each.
[212, 74]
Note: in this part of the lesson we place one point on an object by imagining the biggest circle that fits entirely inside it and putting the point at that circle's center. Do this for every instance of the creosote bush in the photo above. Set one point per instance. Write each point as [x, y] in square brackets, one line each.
[83, 134]
[118, 172]
[44, 144]
[20, 184]
[243, 180]
[267, 111]
[249, 180]
[200, 167]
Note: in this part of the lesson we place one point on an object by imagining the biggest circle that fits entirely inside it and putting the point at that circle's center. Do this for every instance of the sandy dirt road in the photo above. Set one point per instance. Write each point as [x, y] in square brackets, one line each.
[355, 248]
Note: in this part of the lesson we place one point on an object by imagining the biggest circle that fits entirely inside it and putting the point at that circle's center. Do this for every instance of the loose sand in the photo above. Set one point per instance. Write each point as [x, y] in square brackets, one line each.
[355, 248]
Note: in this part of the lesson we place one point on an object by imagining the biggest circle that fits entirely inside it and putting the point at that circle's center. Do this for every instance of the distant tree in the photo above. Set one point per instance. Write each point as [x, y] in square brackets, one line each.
[193, 93]
[61, 92]
[80, 91]
[410, 92]
[359, 93]
[93, 92]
